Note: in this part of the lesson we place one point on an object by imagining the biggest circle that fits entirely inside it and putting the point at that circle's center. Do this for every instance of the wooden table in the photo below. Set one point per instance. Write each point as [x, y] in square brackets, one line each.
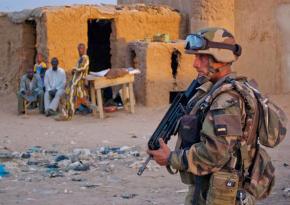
[97, 83]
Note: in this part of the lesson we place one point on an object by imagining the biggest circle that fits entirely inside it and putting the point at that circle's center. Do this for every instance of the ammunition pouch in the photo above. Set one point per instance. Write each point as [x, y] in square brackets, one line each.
[189, 133]
[189, 130]
[223, 188]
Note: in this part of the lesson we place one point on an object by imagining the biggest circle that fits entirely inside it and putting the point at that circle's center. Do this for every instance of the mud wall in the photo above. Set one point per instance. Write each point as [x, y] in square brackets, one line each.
[263, 31]
[66, 27]
[146, 23]
[282, 13]
[15, 55]
[153, 85]
[198, 13]
[214, 13]
[184, 6]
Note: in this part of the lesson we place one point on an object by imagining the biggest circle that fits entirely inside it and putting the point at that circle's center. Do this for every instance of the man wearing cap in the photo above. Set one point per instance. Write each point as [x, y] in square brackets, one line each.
[219, 128]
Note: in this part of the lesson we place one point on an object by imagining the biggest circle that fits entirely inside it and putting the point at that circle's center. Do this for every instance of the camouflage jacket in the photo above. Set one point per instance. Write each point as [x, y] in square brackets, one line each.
[221, 132]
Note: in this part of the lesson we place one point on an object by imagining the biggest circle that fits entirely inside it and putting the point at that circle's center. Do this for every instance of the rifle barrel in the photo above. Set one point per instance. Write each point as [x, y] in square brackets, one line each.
[141, 169]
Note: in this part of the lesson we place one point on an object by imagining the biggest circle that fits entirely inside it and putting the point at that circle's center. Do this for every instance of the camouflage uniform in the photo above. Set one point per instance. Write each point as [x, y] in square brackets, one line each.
[222, 129]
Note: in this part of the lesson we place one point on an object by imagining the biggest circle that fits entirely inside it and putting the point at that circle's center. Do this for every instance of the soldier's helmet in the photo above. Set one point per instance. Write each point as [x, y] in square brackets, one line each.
[217, 42]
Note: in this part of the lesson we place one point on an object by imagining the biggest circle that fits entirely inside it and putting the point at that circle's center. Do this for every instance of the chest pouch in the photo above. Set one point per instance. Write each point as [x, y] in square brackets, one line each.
[189, 129]
[223, 188]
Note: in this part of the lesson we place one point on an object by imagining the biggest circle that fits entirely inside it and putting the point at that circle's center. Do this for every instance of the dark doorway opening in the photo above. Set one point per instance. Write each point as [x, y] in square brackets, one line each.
[99, 50]
[133, 59]
[29, 42]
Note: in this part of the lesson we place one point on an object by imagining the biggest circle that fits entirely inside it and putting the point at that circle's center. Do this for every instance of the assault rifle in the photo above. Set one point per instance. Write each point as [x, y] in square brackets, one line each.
[169, 122]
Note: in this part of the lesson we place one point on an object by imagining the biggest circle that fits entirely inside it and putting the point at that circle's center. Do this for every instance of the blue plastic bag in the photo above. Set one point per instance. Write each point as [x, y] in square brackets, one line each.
[3, 171]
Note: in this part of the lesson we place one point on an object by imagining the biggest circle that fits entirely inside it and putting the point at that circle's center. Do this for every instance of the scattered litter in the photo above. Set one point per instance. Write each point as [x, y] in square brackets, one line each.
[79, 166]
[182, 191]
[25, 155]
[84, 153]
[285, 165]
[3, 171]
[134, 153]
[6, 156]
[286, 192]
[51, 152]
[128, 196]
[104, 150]
[75, 179]
[54, 172]
[52, 166]
[91, 186]
[61, 158]
[152, 202]
[66, 191]
[35, 149]
[36, 163]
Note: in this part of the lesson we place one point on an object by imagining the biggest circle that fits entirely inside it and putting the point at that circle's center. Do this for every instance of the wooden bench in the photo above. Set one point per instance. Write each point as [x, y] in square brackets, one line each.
[97, 83]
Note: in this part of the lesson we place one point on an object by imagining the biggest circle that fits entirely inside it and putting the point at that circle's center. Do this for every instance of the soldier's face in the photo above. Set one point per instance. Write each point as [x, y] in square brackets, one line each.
[201, 64]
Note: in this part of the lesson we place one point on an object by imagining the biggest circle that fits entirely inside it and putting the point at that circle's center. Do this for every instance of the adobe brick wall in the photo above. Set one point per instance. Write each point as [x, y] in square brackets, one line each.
[153, 85]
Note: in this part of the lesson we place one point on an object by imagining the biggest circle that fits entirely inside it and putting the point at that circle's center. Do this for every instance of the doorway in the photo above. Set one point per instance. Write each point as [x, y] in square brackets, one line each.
[99, 48]
[29, 41]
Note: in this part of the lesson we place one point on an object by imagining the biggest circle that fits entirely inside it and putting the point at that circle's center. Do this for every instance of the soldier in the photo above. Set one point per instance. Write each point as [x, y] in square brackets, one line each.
[219, 129]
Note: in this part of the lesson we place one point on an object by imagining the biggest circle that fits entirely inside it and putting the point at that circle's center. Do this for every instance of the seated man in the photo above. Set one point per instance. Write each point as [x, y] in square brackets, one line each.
[54, 82]
[31, 90]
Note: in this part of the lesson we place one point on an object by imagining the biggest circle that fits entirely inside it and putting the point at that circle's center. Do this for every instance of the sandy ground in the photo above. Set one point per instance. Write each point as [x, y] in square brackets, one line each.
[19, 133]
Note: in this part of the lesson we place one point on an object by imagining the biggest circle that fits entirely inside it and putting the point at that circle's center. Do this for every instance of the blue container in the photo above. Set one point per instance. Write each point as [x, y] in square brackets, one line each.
[3, 171]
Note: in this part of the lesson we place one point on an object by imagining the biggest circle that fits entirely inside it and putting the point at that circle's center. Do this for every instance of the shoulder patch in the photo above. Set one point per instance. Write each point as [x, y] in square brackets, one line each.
[227, 124]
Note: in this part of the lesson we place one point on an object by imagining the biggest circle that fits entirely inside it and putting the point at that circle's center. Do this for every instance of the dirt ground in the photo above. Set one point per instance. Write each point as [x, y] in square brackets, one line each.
[119, 186]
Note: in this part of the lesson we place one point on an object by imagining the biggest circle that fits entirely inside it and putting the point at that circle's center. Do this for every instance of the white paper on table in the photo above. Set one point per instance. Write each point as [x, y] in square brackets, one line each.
[100, 73]
[134, 71]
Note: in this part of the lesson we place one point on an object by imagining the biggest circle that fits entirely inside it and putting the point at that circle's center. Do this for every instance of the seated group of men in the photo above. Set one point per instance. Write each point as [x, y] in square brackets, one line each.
[46, 88]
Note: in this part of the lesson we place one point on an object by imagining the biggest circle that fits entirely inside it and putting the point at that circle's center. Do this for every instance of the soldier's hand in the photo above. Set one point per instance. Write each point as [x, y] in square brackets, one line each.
[161, 155]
